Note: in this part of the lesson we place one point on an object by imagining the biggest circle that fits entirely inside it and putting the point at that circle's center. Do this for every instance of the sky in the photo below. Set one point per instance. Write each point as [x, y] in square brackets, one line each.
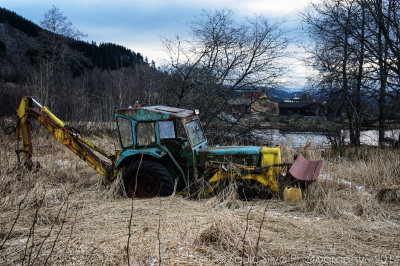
[140, 25]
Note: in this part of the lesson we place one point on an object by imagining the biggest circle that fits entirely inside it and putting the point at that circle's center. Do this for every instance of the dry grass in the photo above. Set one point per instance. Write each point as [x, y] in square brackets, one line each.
[63, 214]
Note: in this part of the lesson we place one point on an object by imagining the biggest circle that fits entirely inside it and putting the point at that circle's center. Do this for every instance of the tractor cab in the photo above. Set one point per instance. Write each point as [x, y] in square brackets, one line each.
[168, 134]
[155, 126]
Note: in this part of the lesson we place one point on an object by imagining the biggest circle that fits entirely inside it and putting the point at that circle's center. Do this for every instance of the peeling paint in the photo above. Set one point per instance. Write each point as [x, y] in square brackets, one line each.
[222, 153]
[154, 113]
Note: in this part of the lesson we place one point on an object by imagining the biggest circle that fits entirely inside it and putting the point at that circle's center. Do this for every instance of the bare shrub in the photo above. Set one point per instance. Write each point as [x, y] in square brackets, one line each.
[114, 189]
[222, 234]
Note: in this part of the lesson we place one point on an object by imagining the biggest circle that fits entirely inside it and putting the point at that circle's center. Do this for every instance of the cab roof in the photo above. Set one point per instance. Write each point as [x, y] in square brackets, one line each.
[154, 113]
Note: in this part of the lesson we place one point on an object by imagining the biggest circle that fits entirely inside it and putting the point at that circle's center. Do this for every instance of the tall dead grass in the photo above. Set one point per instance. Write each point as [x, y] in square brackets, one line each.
[64, 213]
[348, 184]
[36, 205]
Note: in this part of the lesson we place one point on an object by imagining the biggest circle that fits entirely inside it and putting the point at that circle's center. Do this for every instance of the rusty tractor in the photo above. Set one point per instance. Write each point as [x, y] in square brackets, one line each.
[162, 147]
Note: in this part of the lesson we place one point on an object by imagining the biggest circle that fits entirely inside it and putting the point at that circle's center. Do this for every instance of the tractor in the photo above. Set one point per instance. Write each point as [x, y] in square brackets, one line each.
[163, 148]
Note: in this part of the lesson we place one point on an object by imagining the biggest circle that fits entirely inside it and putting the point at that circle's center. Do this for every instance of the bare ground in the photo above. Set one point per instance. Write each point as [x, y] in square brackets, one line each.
[63, 214]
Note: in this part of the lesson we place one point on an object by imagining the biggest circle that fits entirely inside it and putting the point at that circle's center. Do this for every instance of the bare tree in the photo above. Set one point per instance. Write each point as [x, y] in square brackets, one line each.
[383, 47]
[330, 24]
[55, 22]
[223, 56]
[55, 56]
[356, 54]
[386, 15]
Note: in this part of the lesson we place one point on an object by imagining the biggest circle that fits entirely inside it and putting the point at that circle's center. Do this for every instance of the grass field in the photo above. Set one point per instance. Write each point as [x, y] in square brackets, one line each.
[63, 214]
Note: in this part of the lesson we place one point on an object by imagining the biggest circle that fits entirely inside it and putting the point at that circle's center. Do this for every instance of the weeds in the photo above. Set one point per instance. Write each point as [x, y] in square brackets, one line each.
[64, 214]
[245, 232]
[259, 233]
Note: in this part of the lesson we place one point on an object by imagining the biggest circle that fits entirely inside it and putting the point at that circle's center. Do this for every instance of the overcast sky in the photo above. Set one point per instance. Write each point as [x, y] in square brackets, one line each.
[139, 25]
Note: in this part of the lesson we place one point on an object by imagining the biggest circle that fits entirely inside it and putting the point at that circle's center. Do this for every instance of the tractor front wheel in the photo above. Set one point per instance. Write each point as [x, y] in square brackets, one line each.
[147, 179]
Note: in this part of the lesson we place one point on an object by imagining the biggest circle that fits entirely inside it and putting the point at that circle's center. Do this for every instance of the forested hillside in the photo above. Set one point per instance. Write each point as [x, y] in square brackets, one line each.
[61, 70]
[103, 55]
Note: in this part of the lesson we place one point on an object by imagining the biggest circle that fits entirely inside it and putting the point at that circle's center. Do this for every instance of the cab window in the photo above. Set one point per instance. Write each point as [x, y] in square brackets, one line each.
[195, 132]
[145, 134]
[167, 129]
[125, 132]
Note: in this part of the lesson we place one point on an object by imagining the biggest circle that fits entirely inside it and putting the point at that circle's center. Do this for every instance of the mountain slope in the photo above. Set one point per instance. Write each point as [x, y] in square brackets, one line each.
[61, 71]
[279, 95]
[22, 40]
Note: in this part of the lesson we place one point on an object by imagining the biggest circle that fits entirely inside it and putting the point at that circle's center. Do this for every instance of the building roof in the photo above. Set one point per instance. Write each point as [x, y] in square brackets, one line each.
[295, 105]
[239, 101]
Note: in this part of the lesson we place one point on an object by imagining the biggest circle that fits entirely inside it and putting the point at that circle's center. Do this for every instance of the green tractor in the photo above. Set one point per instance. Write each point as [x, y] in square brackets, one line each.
[163, 146]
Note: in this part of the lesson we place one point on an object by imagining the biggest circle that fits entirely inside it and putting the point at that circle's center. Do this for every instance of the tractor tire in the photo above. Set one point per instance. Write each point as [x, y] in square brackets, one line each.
[153, 179]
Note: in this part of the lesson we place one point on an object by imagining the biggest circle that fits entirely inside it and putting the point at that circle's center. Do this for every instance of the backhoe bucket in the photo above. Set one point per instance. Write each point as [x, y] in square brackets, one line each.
[304, 170]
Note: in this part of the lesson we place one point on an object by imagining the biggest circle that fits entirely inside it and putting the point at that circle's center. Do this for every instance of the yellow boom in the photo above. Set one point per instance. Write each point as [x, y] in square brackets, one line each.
[64, 134]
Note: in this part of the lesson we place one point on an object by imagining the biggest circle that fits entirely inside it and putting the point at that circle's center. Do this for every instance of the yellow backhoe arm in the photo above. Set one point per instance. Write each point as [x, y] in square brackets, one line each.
[64, 134]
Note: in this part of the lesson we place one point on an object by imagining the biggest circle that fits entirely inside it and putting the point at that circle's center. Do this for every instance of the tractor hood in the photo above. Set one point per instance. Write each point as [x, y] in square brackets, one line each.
[249, 155]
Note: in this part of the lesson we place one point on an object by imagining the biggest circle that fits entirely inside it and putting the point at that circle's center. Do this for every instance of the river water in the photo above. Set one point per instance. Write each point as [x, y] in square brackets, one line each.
[299, 139]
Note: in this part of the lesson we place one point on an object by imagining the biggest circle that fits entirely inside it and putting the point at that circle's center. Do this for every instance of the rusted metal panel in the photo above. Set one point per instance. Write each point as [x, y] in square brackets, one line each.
[231, 150]
[154, 113]
[167, 109]
[305, 170]
[235, 153]
[154, 152]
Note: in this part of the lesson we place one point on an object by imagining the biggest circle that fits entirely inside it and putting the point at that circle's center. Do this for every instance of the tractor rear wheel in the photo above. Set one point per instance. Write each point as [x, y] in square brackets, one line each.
[152, 180]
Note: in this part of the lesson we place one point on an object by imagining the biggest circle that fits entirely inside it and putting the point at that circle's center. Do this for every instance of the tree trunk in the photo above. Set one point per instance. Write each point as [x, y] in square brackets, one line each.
[359, 79]
[349, 109]
[383, 73]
